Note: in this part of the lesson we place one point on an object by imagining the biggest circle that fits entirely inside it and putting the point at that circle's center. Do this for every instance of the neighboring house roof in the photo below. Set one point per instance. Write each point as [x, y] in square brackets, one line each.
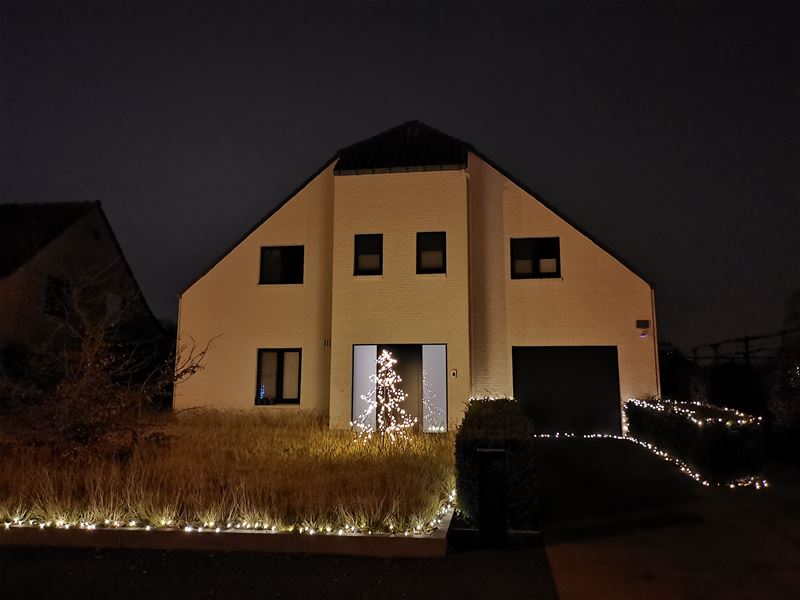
[27, 228]
[411, 146]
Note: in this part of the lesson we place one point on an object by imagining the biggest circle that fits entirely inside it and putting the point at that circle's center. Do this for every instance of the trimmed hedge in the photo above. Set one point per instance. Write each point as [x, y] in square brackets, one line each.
[498, 423]
[721, 444]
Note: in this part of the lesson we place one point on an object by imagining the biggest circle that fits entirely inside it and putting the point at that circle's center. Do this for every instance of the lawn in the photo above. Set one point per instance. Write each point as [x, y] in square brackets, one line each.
[280, 471]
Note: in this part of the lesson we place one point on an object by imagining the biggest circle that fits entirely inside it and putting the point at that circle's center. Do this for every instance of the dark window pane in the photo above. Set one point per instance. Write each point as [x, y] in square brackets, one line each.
[368, 254]
[281, 264]
[535, 258]
[431, 252]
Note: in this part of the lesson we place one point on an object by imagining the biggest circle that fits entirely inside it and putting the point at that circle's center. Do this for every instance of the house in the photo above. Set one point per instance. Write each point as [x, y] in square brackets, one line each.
[414, 242]
[47, 249]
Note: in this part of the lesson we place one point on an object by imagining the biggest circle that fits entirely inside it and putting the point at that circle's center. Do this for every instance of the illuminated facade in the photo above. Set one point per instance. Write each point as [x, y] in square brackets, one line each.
[415, 243]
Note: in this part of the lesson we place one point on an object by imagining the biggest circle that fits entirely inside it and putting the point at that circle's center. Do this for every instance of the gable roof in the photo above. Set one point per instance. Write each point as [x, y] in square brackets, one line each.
[27, 228]
[412, 146]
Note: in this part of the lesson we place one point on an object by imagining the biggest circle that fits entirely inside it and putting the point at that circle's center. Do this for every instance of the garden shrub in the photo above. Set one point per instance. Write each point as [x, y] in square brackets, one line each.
[498, 424]
[720, 443]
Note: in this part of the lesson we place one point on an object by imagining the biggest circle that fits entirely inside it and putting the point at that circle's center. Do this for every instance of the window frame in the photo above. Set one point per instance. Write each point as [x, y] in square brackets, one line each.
[281, 248]
[535, 274]
[420, 269]
[356, 271]
[279, 384]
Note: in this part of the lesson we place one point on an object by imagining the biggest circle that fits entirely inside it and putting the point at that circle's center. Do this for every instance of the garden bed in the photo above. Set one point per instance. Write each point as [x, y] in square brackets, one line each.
[274, 473]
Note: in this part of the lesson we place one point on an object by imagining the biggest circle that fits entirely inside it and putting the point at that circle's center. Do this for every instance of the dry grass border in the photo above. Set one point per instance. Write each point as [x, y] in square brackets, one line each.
[280, 471]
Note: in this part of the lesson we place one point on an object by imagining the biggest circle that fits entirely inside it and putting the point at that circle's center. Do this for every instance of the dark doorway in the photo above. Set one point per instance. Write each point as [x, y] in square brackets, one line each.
[569, 389]
[409, 368]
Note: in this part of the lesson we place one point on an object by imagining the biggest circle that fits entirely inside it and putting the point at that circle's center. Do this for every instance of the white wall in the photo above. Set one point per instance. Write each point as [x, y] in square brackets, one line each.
[596, 301]
[229, 303]
[400, 307]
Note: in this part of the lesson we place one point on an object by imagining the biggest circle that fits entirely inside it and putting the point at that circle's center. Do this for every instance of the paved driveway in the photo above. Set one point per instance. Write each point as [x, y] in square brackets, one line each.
[621, 523]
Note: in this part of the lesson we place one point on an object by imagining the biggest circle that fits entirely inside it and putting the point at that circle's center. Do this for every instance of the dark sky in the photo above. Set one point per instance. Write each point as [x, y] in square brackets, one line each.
[670, 130]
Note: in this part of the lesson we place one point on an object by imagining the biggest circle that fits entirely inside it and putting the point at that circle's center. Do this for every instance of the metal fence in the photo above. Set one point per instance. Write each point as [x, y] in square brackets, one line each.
[749, 349]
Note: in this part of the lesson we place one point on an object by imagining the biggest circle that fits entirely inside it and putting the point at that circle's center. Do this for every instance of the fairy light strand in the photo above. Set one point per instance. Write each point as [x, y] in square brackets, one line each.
[385, 401]
[420, 528]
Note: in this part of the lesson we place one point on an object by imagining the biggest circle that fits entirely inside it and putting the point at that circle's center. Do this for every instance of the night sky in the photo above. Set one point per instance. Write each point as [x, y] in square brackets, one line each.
[669, 130]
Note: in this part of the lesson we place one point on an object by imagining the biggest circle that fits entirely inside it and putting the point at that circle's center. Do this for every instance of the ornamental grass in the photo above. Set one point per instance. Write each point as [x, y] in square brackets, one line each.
[282, 470]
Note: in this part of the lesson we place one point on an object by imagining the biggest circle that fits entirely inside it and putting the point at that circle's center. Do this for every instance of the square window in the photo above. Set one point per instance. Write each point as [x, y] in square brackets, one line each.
[535, 258]
[432, 252]
[281, 264]
[368, 254]
[278, 377]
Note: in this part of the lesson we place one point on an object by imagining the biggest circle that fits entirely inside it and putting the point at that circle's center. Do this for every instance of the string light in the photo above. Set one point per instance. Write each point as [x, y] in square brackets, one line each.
[434, 417]
[732, 419]
[750, 481]
[448, 505]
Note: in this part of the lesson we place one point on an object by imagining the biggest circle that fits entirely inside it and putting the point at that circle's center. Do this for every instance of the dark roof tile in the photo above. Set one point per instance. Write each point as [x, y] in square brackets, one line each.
[412, 146]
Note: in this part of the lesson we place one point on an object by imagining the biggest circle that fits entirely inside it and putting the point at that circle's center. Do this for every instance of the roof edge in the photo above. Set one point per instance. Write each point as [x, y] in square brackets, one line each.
[242, 238]
[127, 266]
[470, 148]
[88, 205]
[560, 215]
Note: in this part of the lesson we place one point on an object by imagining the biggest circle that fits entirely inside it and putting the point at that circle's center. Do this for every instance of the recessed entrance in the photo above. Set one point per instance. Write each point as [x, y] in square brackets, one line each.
[423, 371]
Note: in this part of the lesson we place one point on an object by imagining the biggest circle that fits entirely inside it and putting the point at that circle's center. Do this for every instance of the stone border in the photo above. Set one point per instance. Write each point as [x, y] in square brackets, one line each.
[430, 545]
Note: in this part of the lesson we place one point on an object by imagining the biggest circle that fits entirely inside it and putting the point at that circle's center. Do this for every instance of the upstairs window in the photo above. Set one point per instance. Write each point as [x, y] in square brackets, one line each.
[278, 377]
[535, 258]
[281, 264]
[369, 254]
[432, 252]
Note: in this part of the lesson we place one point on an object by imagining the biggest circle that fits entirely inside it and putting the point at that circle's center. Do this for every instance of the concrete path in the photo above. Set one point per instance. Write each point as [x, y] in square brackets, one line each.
[684, 542]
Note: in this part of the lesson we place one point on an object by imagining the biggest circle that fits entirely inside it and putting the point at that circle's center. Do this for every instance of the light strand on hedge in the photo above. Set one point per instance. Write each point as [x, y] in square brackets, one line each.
[665, 405]
[750, 481]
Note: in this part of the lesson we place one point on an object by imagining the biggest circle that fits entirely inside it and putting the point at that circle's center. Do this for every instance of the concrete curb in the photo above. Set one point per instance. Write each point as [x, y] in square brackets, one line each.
[433, 545]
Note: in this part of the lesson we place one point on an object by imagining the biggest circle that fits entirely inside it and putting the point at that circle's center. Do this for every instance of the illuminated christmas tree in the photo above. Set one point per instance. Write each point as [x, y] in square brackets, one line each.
[385, 402]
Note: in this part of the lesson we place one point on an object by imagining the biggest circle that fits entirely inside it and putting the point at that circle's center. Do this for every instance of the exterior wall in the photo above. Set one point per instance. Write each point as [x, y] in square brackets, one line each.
[475, 308]
[229, 306]
[596, 301]
[491, 366]
[83, 247]
[400, 307]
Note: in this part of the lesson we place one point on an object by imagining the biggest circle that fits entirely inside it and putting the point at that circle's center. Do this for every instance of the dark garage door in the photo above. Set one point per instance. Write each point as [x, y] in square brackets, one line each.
[569, 389]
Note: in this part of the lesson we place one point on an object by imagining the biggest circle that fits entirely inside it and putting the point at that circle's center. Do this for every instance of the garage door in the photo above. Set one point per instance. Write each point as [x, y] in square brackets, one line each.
[569, 388]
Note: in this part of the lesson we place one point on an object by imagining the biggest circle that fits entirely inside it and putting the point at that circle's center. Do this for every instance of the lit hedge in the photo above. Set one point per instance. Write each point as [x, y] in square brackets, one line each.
[498, 424]
[721, 443]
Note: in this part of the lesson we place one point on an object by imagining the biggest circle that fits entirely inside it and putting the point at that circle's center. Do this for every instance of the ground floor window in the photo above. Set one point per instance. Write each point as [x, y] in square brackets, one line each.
[423, 372]
[278, 377]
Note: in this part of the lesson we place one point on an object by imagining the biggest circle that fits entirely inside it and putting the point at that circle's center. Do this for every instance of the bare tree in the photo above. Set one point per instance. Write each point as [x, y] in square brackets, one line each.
[102, 367]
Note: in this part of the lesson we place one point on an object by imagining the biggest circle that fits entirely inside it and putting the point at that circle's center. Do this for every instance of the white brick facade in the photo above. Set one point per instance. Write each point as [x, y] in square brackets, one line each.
[475, 308]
